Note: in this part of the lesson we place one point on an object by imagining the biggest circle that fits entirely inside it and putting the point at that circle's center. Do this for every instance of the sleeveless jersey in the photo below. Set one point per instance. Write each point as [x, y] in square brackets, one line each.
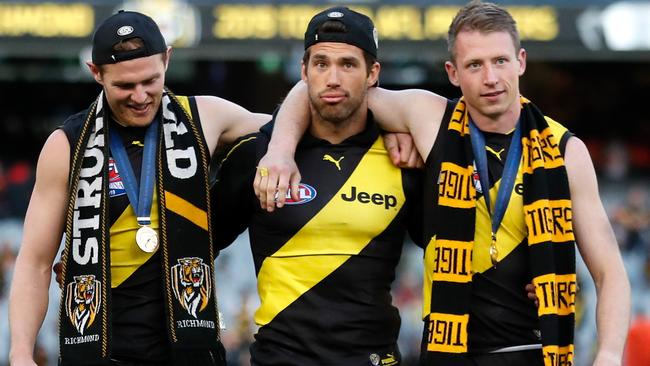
[324, 263]
[501, 315]
[138, 310]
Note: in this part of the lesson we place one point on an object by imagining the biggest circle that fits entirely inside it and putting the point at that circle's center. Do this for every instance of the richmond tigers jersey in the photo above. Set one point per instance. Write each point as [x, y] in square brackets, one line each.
[501, 315]
[138, 311]
[324, 263]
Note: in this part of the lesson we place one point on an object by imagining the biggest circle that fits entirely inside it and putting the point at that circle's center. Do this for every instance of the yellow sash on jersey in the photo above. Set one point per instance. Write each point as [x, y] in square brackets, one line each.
[339, 231]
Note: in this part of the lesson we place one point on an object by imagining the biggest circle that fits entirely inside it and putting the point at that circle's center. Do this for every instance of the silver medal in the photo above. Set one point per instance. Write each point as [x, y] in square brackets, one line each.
[147, 239]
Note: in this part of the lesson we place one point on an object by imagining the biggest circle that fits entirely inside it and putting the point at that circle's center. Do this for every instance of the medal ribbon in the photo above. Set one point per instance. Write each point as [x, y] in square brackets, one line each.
[507, 179]
[141, 201]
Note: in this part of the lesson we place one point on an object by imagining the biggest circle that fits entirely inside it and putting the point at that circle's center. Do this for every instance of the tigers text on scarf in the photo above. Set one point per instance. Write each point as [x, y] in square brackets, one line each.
[182, 181]
[551, 247]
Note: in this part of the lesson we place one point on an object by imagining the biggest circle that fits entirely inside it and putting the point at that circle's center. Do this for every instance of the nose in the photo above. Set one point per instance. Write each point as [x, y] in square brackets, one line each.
[139, 94]
[333, 79]
[490, 75]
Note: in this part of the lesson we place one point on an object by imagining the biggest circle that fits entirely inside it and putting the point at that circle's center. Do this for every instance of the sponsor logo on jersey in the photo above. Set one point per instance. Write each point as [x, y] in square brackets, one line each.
[385, 200]
[519, 189]
[115, 183]
[306, 193]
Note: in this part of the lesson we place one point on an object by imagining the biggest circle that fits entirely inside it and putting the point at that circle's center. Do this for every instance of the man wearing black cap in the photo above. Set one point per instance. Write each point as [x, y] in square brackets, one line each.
[325, 263]
[127, 179]
[508, 194]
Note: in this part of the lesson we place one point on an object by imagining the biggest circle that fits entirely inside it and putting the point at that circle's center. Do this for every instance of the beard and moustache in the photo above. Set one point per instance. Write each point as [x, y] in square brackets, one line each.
[339, 113]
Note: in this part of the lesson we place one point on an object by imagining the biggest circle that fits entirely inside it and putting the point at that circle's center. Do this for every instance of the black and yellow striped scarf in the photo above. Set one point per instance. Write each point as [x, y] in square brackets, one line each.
[184, 238]
[547, 212]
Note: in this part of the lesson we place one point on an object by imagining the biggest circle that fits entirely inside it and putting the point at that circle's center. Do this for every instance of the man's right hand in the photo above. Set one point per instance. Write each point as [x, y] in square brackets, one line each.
[532, 296]
[57, 268]
[275, 174]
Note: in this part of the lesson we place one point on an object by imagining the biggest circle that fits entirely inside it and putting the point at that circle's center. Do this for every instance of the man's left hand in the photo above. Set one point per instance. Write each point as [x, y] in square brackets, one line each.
[402, 151]
[275, 174]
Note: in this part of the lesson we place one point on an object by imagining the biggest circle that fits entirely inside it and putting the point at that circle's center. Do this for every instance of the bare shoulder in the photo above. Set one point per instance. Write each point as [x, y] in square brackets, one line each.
[214, 114]
[214, 110]
[415, 100]
[577, 159]
[225, 121]
[47, 205]
[415, 111]
[54, 160]
[410, 93]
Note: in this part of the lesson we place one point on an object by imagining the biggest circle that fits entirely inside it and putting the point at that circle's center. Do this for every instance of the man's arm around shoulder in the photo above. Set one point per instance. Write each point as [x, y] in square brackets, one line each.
[415, 111]
[223, 121]
[41, 238]
[597, 245]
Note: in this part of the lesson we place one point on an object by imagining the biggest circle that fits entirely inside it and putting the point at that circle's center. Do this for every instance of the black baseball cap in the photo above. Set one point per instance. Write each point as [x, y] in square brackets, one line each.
[359, 29]
[122, 26]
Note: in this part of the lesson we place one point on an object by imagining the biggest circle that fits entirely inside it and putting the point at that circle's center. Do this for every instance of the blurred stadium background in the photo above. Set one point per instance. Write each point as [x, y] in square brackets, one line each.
[588, 63]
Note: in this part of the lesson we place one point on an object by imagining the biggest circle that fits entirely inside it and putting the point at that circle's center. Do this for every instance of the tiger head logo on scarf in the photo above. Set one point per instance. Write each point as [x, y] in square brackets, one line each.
[83, 300]
[191, 283]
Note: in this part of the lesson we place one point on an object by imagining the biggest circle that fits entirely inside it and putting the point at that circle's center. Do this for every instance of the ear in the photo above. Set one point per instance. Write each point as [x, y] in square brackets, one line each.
[522, 61]
[303, 71]
[168, 54]
[374, 74]
[452, 73]
[94, 70]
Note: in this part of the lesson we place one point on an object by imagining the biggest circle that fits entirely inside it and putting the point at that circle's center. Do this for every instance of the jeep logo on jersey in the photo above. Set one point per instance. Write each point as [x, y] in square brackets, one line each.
[378, 199]
[306, 193]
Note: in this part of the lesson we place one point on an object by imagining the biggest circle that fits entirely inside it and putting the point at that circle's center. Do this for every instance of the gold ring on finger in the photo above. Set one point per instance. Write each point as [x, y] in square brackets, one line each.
[264, 172]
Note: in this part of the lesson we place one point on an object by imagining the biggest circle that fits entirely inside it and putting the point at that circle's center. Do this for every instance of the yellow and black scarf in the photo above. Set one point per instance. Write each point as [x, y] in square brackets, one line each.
[551, 244]
[184, 237]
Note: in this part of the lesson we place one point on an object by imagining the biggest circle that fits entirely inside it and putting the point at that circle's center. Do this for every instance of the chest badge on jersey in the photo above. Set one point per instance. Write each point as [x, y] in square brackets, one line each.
[306, 193]
[115, 184]
[477, 180]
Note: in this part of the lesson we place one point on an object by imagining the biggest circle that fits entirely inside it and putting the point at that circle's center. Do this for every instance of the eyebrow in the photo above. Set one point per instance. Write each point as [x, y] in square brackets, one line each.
[320, 57]
[480, 60]
[344, 59]
[128, 84]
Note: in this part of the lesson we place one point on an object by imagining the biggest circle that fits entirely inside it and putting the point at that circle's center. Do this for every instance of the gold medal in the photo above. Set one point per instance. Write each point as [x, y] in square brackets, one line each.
[494, 252]
[147, 239]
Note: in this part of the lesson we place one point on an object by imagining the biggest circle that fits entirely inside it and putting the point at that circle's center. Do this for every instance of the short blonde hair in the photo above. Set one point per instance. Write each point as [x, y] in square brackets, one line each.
[484, 18]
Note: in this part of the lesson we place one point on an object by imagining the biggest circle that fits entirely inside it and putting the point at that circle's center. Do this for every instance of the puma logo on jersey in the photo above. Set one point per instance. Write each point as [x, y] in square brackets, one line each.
[137, 143]
[496, 153]
[328, 157]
